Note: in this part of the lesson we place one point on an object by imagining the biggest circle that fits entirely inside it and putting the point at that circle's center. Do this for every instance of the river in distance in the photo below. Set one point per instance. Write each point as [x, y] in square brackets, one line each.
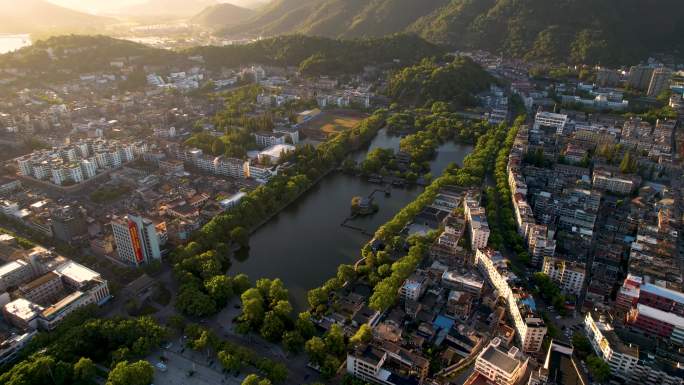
[12, 42]
[305, 243]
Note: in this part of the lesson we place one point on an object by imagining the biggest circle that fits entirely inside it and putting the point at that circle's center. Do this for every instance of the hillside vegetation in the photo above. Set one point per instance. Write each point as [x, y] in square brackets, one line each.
[318, 55]
[428, 82]
[337, 18]
[603, 31]
[76, 54]
[64, 57]
[221, 15]
[594, 31]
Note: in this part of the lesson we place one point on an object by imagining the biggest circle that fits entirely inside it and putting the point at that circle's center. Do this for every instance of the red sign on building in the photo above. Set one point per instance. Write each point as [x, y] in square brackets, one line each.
[135, 240]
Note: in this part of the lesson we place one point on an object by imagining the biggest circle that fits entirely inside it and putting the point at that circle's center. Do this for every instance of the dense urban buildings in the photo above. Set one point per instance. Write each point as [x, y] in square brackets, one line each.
[548, 252]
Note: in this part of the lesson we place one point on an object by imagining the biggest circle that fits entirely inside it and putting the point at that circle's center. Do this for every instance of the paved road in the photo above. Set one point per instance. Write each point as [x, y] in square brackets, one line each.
[178, 365]
[223, 326]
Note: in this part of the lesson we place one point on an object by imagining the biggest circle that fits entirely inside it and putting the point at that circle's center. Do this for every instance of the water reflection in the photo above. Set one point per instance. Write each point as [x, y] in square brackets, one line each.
[304, 244]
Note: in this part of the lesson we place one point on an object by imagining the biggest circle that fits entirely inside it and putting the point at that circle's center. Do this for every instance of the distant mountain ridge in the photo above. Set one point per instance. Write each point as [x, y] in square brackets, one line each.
[177, 8]
[26, 16]
[606, 31]
[221, 15]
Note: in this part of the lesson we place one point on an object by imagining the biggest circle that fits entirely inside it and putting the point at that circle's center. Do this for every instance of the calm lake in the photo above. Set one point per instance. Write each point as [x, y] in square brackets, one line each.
[305, 243]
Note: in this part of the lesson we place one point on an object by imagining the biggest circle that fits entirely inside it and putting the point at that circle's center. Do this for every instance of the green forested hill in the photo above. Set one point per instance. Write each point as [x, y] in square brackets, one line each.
[600, 31]
[428, 82]
[66, 56]
[604, 31]
[319, 55]
[337, 18]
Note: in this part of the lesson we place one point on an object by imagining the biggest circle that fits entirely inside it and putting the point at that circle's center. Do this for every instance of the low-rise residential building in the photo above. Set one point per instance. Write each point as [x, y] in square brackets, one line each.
[15, 273]
[269, 139]
[11, 344]
[465, 282]
[383, 362]
[568, 275]
[477, 222]
[272, 154]
[625, 360]
[499, 366]
[621, 358]
[605, 180]
[545, 119]
[414, 287]
[44, 302]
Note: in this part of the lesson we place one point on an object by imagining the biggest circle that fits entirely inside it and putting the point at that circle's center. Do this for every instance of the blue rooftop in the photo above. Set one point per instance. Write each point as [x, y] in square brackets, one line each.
[443, 322]
[529, 301]
[663, 292]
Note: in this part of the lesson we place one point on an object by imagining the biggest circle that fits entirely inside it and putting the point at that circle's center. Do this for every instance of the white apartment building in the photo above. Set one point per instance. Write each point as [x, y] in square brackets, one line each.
[229, 167]
[269, 139]
[89, 168]
[260, 173]
[477, 222]
[569, 276]
[74, 163]
[621, 358]
[530, 328]
[387, 364]
[605, 181]
[15, 273]
[11, 346]
[501, 367]
[540, 242]
[550, 119]
[413, 287]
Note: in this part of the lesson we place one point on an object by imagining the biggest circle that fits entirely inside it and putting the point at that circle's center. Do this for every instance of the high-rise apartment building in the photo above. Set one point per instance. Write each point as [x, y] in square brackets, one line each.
[659, 81]
[138, 240]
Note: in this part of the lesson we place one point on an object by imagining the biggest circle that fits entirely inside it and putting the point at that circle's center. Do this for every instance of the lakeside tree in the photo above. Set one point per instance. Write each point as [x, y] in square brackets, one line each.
[316, 350]
[273, 327]
[241, 283]
[240, 235]
[84, 371]
[137, 373]
[304, 325]
[252, 308]
[253, 379]
[220, 289]
[293, 341]
[229, 361]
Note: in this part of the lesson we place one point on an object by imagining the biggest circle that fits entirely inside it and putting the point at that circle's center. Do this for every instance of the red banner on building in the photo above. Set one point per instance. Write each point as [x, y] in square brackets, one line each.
[135, 240]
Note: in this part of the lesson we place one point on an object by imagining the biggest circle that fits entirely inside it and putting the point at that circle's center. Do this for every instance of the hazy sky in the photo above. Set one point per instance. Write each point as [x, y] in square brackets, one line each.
[103, 6]
[95, 6]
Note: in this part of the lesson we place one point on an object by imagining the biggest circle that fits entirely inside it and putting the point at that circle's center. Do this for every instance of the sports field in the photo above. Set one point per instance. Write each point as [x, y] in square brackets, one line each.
[330, 122]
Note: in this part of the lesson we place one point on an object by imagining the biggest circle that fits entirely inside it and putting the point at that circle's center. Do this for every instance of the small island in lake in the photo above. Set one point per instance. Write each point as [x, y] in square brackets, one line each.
[363, 206]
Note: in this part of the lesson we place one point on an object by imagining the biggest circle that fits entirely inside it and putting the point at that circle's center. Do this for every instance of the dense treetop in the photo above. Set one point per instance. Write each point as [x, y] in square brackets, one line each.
[321, 55]
[62, 57]
[456, 83]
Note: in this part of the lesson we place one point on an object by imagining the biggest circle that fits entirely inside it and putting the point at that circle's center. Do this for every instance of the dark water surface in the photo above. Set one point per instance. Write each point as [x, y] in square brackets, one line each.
[305, 243]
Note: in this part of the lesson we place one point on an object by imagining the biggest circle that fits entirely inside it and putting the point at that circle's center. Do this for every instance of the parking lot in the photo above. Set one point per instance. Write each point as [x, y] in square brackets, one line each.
[180, 366]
